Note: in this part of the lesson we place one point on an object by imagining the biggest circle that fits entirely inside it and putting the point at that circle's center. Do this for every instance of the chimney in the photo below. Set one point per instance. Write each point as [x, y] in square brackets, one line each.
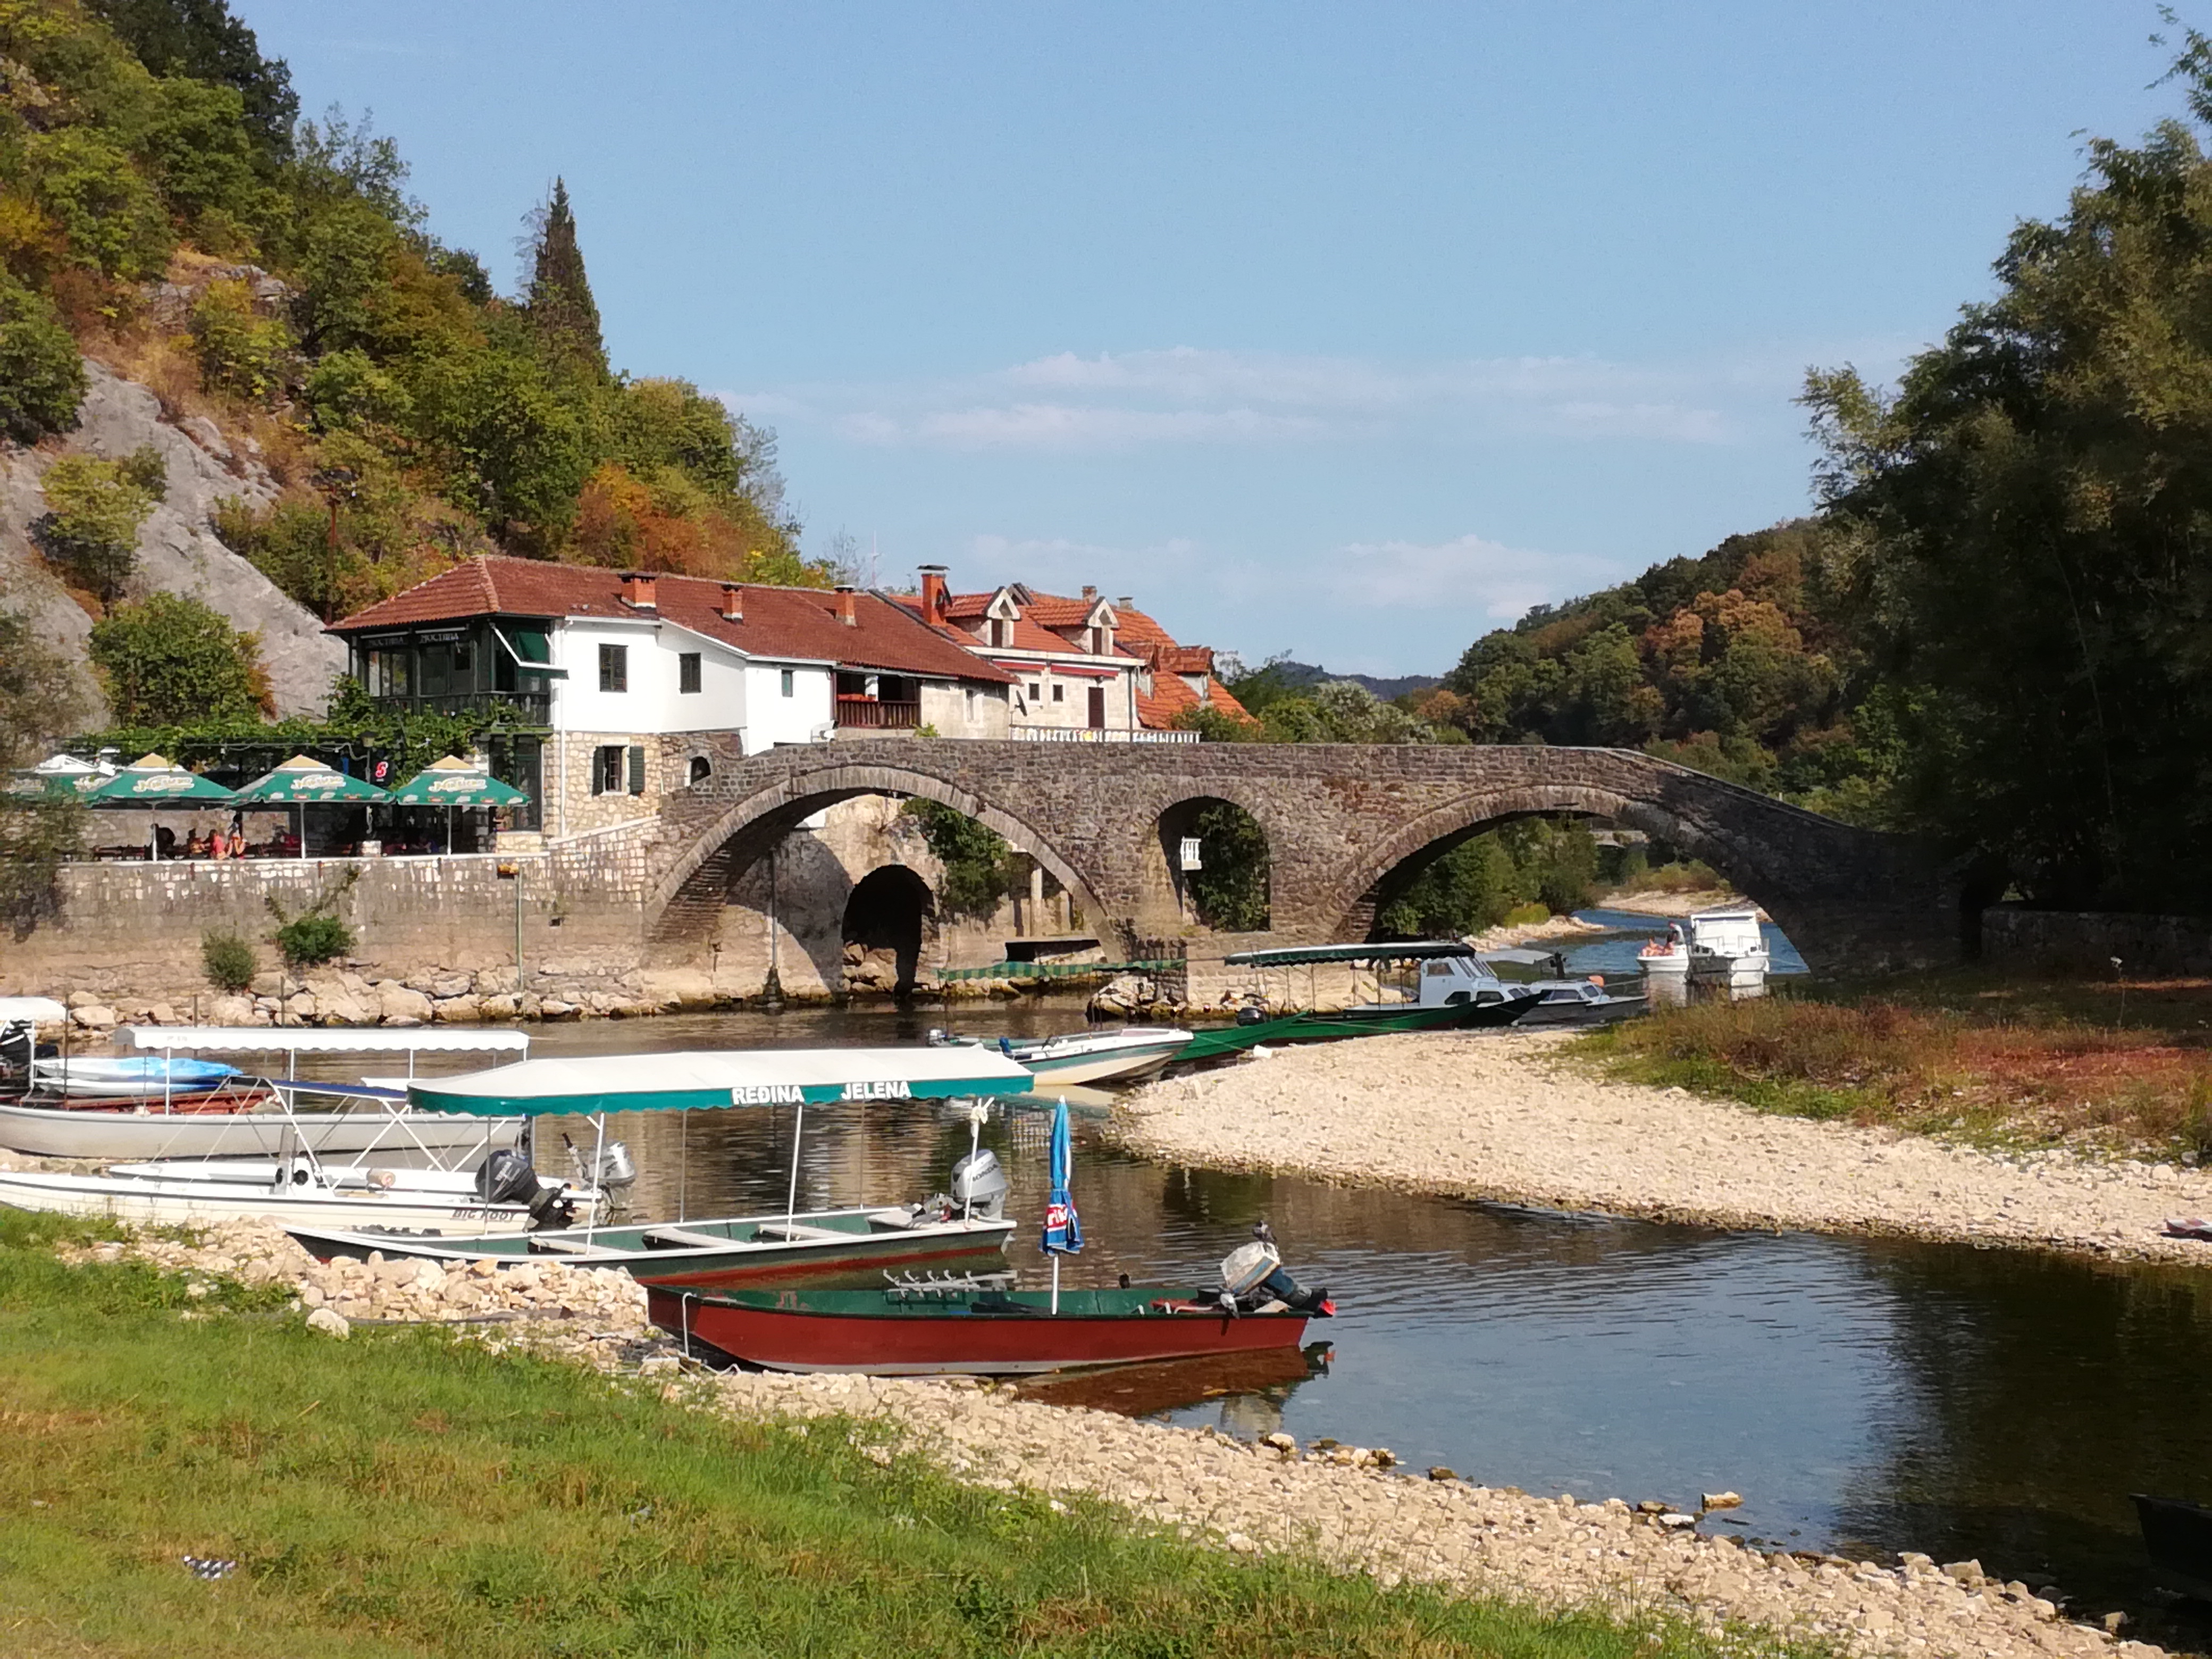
[637, 590]
[1089, 592]
[933, 593]
[734, 602]
[1125, 603]
[846, 611]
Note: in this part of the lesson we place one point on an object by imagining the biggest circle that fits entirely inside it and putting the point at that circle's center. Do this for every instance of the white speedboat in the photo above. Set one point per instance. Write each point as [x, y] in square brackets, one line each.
[130, 1077]
[312, 1202]
[1127, 1055]
[380, 1127]
[1578, 1002]
[1728, 952]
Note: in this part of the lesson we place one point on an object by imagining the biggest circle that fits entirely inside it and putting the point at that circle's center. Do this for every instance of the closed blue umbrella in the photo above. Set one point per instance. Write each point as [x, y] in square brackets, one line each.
[1063, 1228]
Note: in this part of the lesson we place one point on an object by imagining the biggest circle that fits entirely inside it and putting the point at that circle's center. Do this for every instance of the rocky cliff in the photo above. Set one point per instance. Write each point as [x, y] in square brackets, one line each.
[178, 551]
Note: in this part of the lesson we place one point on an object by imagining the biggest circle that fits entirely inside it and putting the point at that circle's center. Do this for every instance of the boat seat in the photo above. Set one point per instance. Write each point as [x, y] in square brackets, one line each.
[902, 1219]
[572, 1247]
[678, 1238]
[795, 1231]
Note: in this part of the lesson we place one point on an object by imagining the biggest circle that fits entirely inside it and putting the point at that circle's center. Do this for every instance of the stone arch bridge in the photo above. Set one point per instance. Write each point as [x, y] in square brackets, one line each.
[1340, 818]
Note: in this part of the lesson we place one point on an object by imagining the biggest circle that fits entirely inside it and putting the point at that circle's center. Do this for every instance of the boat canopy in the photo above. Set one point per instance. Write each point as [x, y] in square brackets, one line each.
[27, 1011]
[1411, 949]
[592, 1084]
[319, 1039]
[1521, 957]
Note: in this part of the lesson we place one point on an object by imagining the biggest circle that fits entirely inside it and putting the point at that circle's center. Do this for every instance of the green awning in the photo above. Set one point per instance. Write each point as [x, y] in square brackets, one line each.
[1058, 969]
[454, 782]
[530, 648]
[588, 1084]
[152, 782]
[302, 780]
[1414, 950]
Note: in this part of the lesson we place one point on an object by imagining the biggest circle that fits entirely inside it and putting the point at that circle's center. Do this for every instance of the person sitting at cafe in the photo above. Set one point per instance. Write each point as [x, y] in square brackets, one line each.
[218, 844]
[196, 844]
[165, 842]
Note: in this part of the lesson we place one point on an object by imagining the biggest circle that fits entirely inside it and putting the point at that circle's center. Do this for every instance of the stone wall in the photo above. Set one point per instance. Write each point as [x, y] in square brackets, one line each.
[2085, 942]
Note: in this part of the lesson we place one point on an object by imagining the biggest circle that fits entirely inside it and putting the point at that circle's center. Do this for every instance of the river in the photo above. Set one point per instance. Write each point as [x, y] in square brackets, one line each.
[1861, 1394]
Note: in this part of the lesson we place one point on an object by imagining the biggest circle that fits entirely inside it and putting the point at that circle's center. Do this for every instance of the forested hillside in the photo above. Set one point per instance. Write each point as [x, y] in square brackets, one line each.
[163, 211]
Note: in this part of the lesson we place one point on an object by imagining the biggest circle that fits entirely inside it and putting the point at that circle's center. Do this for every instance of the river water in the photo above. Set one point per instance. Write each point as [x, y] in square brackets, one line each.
[1863, 1395]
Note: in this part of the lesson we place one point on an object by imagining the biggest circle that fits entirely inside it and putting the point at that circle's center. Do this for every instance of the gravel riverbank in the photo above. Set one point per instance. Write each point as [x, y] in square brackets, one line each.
[1348, 1506]
[1506, 1116]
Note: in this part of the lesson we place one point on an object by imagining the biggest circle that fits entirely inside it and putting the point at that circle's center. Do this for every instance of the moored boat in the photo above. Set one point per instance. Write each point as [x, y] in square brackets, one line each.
[1129, 1054]
[1456, 991]
[168, 1203]
[905, 1331]
[130, 1077]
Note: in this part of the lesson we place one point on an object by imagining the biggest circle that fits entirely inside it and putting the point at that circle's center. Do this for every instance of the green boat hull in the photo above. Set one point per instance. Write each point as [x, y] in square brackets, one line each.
[1327, 1028]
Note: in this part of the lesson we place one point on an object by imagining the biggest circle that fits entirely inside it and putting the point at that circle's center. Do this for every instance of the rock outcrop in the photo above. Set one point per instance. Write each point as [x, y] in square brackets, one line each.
[178, 551]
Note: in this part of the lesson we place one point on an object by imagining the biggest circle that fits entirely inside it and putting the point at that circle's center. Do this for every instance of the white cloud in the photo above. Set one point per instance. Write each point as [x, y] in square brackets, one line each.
[1187, 395]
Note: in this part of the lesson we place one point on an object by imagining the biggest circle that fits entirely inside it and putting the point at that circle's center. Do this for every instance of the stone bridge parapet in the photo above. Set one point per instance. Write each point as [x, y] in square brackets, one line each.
[1339, 819]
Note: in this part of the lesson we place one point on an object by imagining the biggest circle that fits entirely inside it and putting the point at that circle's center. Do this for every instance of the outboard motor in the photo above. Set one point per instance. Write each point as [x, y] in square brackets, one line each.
[1253, 1276]
[979, 1185]
[615, 1168]
[506, 1178]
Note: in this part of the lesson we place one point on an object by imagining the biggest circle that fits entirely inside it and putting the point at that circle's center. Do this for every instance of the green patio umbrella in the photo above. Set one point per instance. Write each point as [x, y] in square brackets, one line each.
[152, 782]
[454, 782]
[302, 781]
[59, 777]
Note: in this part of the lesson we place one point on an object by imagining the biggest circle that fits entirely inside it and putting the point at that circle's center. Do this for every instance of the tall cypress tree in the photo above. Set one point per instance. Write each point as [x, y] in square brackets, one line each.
[561, 310]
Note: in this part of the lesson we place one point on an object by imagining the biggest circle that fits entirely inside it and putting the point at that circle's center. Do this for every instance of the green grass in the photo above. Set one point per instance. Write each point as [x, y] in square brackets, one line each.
[404, 1492]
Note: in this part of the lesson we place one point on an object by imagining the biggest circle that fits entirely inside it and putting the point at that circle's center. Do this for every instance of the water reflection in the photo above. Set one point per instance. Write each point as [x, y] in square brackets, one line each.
[1866, 1394]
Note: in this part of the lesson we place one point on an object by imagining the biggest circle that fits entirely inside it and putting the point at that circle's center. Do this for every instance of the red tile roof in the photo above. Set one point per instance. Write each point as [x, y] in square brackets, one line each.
[1171, 696]
[779, 621]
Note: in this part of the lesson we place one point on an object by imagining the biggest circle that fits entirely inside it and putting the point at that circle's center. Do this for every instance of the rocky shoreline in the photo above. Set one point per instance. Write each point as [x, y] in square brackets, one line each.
[1506, 1115]
[1344, 1505]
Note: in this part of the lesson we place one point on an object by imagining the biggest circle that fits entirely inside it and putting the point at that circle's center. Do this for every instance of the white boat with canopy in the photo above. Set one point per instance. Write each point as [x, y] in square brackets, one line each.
[263, 1117]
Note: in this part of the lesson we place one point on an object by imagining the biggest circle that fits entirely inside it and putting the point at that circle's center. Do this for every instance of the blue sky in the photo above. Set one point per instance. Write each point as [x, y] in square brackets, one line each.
[1351, 331]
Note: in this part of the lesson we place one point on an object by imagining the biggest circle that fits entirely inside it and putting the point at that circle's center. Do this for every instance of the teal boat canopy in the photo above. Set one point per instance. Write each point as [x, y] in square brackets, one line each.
[1412, 950]
[716, 1078]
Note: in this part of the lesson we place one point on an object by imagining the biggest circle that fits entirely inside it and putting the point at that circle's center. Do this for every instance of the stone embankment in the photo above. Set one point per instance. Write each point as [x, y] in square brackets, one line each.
[1507, 1116]
[1345, 1505]
[351, 999]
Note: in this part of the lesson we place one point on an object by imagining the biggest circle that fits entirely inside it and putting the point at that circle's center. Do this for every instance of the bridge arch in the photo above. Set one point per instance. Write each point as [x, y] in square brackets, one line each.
[686, 901]
[1348, 897]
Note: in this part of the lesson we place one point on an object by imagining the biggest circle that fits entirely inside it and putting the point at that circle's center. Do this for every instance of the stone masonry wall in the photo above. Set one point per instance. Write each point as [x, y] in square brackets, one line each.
[2085, 942]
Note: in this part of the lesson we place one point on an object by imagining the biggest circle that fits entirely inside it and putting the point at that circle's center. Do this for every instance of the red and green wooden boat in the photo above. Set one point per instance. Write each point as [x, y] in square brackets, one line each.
[939, 1330]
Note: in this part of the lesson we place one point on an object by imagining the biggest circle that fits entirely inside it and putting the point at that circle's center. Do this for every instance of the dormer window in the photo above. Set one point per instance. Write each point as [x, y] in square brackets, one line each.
[1002, 633]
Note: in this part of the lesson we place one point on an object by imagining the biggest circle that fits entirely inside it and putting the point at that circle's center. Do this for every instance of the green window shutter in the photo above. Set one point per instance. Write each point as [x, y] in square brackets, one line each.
[637, 769]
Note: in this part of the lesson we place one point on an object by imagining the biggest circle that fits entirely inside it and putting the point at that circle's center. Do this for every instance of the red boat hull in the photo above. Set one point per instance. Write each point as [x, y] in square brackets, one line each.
[977, 1344]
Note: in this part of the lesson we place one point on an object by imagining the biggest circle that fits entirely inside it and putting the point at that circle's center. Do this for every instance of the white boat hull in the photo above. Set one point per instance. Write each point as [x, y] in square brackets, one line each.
[192, 1203]
[1110, 1057]
[400, 1141]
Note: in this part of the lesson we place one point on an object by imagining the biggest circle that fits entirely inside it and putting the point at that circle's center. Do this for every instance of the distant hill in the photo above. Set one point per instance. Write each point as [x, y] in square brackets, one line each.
[1305, 673]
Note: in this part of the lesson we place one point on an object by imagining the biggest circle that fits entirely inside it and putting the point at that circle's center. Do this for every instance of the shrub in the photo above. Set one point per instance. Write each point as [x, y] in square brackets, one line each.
[91, 530]
[229, 961]
[309, 941]
[169, 660]
[41, 375]
[240, 351]
[980, 867]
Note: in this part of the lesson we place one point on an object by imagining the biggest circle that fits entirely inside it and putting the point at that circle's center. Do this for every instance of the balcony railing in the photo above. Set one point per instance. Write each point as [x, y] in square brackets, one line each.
[881, 716]
[535, 708]
[1084, 734]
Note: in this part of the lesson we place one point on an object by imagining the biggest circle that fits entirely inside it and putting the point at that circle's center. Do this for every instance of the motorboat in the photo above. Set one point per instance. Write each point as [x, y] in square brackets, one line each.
[19, 1019]
[977, 1326]
[1579, 1002]
[302, 1194]
[1728, 952]
[963, 1226]
[1128, 1055]
[1453, 990]
[132, 1077]
[242, 1116]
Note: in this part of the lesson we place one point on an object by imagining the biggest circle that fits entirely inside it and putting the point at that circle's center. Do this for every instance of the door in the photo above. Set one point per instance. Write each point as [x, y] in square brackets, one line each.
[1098, 708]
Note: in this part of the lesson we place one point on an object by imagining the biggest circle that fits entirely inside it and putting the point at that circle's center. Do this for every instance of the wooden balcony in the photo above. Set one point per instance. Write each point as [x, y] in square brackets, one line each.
[867, 714]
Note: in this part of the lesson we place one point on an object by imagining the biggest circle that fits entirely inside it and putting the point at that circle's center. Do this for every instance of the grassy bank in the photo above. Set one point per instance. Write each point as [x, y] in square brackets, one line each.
[404, 1492]
[2107, 1065]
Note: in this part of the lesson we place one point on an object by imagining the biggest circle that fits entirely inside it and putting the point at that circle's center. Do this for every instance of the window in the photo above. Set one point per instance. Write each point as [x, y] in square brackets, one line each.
[687, 672]
[1098, 708]
[1001, 632]
[614, 668]
[608, 761]
[1059, 694]
[1037, 692]
[702, 769]
[790, 681]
